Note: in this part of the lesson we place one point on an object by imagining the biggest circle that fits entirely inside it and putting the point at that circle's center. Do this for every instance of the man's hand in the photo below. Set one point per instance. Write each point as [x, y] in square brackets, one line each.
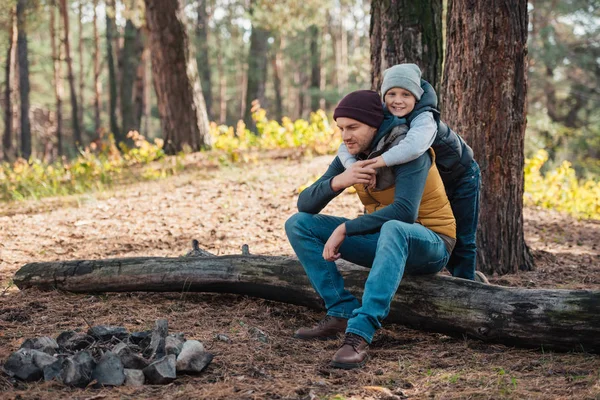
[359, 172]
[332, 247]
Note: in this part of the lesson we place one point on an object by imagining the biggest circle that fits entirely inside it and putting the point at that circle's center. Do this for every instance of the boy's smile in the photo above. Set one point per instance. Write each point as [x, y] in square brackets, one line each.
[400, 102]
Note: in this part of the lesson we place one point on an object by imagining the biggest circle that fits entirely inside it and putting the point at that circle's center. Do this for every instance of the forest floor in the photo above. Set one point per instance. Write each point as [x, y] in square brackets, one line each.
[224, 208]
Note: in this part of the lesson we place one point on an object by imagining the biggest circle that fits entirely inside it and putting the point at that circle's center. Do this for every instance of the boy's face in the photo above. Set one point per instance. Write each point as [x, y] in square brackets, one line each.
[356, 135]
[400, 101]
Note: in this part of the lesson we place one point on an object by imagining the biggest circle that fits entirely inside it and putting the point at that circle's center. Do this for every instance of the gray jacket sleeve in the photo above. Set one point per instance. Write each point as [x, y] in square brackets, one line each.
[419, 138]
[345, 157]
[315, 197]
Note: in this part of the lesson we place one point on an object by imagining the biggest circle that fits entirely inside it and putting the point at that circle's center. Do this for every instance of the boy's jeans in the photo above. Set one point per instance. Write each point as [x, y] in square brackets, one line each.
[463, 194]
[398, 248]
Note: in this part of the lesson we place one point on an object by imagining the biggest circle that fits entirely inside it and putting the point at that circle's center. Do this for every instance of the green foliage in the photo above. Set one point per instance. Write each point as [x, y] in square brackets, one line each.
[96, 167]
[560, 189]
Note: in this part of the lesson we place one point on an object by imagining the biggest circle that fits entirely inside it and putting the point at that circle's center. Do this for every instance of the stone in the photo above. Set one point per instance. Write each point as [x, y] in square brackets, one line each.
[45, 344]
[42, 359]
[156, 350]
[129, 358]
[21, 365]
[142, 339]
[134, 377]
[107, 332]
[109, 371]
[74, 341]
[223, 338]
[52, 371]
[77, 370]
[174, 344]
[193, 358]
[162, 371]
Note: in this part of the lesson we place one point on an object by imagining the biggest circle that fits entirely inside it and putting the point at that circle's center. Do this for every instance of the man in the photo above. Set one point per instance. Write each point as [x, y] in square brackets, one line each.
[408, 227]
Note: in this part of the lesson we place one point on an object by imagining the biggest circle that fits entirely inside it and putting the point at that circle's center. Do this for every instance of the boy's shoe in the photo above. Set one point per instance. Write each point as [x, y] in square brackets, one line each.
[328, 328]
[352, 354]
[480, 277]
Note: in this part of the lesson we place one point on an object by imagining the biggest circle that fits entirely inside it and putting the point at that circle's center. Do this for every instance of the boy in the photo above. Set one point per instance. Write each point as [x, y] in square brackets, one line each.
[408, 97]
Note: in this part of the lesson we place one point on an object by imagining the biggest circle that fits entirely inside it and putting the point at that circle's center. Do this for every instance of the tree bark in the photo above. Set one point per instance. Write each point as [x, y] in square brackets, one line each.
[404, 31]
[485, 94]
[112, 73]
[558, 319]
[57, 70]
[203, 56]
[130, 59]
[97, 86]
[74, 107]
[8, 125]
[175, 73]
[23, 58]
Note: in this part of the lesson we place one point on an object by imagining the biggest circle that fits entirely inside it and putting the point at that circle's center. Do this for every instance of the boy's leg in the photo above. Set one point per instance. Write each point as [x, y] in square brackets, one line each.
[402, 248]
[308, 234]
[464, 200]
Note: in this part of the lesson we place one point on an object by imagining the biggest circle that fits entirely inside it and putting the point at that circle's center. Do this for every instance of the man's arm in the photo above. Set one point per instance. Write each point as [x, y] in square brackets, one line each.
[314, 198]
[410, 183]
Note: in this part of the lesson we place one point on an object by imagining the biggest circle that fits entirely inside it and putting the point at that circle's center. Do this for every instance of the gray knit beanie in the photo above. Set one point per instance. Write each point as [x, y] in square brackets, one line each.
[405, 76]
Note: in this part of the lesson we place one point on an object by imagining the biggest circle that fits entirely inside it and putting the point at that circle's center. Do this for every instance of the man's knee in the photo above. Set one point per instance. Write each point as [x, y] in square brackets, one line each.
[297, 221]
[395, 228]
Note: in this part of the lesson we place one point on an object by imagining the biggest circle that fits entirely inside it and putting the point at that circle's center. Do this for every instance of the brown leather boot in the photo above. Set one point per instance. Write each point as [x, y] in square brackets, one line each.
[352, 354]
[328, 328]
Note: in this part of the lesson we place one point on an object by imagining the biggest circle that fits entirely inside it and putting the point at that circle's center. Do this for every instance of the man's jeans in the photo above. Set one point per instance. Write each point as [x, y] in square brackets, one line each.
[398, 248]
[463, 194]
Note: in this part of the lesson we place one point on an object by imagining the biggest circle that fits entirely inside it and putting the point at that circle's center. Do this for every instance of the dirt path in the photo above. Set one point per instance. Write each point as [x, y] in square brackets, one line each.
[226, 208]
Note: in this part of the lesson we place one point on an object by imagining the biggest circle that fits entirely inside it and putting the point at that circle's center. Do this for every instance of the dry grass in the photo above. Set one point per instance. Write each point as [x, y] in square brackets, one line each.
[232, 206]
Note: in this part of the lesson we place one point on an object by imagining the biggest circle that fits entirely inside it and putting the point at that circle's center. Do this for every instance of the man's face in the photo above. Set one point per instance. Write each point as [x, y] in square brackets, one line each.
[356, 135]
[399, 101]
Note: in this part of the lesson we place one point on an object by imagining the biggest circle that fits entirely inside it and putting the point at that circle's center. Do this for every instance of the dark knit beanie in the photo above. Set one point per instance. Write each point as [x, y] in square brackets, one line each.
[362, 105]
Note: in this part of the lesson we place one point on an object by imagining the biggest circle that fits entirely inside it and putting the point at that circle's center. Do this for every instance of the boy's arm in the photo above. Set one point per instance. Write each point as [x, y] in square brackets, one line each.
[345, 157]
[419, 138]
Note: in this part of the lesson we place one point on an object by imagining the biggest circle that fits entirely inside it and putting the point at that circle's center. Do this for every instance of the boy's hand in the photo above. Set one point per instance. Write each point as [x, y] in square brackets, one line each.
[359, 172]
[372, 183]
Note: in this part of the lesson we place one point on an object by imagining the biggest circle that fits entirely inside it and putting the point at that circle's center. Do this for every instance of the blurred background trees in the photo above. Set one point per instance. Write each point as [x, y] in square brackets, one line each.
[294, 57]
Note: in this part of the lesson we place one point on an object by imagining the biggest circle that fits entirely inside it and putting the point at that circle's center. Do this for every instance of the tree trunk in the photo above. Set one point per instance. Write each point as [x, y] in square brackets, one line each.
[404, 31]
[23, 58]
[8, 125]
[139, 92]
[57, 70]
[81, 68]
[277, 78]
[97, 86]
[203, 56]
[485, 94]
[315, 68]
[130, 59]
[222, 82]
[257, 72]
[558, 319]
[111, 29]
[175, 73]
[74, 108]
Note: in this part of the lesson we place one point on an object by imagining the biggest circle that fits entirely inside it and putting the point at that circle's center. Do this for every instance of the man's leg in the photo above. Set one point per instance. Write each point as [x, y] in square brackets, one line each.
[402, 248]
[308, 234]
[464, 200]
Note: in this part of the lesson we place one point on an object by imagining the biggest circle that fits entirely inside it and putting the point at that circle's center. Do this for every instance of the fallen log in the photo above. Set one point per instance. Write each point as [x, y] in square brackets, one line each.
[554, 319]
